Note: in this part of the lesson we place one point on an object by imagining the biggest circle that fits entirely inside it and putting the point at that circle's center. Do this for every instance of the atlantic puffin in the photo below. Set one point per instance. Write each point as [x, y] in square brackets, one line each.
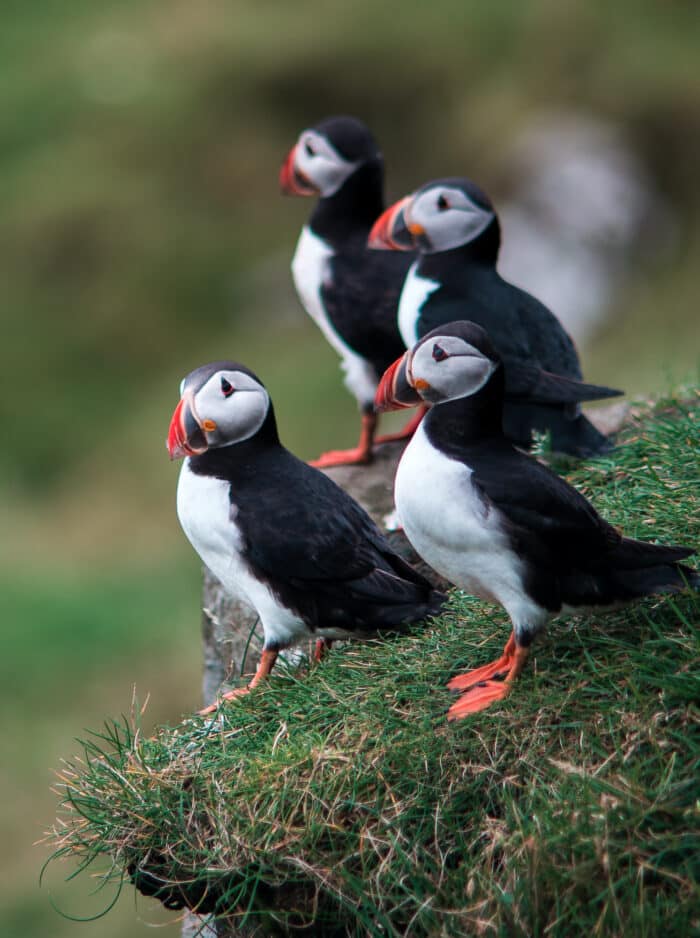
[276, 532]
[351, 292]
[454, 227]
[495, 521]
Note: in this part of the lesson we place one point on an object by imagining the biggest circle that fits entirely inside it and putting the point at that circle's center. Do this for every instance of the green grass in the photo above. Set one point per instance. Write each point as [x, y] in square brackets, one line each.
[142, 233]
[340, 795]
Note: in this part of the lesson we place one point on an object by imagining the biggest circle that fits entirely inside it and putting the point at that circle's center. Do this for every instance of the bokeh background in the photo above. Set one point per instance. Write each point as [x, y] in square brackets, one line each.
[142, 233]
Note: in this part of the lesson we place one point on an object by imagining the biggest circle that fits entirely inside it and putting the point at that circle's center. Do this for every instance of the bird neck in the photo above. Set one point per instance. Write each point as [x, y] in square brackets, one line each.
[454, 424]
[354, 207]
[481, 252]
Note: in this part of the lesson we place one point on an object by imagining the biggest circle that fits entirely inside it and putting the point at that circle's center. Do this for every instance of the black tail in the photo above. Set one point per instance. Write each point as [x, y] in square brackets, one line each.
[572, 434]
[525, 381]
[664, 578]
[630, 571]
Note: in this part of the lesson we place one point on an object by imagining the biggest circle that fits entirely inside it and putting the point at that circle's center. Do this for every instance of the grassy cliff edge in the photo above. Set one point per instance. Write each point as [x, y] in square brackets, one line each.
[340, 795]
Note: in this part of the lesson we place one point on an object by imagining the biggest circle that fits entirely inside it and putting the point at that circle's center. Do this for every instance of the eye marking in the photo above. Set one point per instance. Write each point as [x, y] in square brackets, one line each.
[226, 387]
[442, 203]
[309, 150]
[439, 353]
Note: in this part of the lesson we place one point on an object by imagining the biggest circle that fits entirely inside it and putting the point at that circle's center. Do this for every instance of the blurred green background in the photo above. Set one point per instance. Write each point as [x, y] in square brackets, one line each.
[142, 233]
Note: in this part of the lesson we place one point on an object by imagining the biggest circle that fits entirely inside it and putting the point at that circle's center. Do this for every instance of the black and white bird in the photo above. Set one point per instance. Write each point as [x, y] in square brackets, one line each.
[351, 292]
[496, 522]
[456, 231]
[276, 532]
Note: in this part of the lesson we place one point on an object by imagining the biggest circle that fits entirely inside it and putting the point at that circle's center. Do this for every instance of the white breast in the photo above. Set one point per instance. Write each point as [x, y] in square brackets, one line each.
[415, 292]
[456, 531]
[208, 520]
[310, 272]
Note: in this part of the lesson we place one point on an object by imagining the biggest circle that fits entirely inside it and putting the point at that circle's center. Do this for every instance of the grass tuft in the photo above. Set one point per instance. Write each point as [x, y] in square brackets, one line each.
[339, 795]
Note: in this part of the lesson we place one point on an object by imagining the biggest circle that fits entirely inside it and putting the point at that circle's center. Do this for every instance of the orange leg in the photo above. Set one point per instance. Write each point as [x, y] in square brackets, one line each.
[267, 662]
[483, 694]
[360, 455]
[321, 648]
[407, 431]
[500, 666]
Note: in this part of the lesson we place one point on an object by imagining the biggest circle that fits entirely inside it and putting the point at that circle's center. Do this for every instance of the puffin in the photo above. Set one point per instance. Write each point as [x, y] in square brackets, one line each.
[455, 229]
[495, 521]
[351, 292]
[277, 533]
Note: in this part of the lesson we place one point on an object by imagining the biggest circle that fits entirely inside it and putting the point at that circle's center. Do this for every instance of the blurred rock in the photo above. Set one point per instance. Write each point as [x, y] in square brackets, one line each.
[583, 210]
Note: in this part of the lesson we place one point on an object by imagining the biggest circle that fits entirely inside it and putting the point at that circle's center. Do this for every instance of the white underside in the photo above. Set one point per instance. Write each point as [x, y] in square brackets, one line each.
[415, 292]
[208, 519]
[206, 516]
[457, 532]
[310, 272]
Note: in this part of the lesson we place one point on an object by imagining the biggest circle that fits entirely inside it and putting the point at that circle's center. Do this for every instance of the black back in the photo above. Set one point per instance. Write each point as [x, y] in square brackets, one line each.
[570, 553]
[312, 543]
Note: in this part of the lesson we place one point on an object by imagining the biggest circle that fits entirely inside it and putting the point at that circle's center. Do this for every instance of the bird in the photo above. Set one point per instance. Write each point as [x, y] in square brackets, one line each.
[279, 534]
[350, 291]
[496, 522]
[455, 229]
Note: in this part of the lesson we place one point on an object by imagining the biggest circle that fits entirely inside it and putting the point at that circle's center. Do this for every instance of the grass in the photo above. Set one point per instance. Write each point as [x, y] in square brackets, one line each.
[142, 233]
[342, 796]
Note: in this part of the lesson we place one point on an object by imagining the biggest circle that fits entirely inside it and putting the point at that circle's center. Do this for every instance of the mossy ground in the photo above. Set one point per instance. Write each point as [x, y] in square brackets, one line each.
[339, 794]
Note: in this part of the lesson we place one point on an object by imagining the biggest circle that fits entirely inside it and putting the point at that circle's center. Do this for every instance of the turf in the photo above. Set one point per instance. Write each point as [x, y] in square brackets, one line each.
[339, 794]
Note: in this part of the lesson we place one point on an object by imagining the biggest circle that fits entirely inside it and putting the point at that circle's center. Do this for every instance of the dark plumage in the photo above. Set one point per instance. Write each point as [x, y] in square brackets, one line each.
[278, 533]
[497, 522]
[456, 230]
[350, 291]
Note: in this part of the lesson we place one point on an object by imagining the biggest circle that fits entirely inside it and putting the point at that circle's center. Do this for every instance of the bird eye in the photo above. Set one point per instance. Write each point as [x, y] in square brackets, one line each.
[226, 387]
[442, 203]
[439, 353]
[309, 149]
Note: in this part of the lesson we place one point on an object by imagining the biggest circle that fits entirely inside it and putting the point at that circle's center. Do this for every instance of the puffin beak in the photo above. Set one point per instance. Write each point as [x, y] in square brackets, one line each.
[396, 390]
[292, 180]
[391, 231]
[185, 436]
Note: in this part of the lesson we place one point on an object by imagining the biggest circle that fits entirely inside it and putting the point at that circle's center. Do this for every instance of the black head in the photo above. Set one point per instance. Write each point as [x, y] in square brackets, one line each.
[326, 155]
[442, 215]
[453, 361]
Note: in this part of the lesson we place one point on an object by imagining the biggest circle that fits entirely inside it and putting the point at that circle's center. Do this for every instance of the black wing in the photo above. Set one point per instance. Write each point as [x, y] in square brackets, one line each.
[362, 301]
[542, 508]
[323, 554]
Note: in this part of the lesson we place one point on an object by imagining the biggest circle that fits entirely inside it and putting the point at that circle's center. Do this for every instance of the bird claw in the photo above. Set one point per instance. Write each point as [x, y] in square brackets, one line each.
[229, 695]
[342, 457]
[478, 698]
[464, 681]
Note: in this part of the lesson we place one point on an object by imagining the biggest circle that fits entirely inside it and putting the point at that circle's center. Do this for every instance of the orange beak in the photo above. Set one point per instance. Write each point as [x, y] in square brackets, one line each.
[292, 180]
[391, 231]
[395, 390]
[185, 436]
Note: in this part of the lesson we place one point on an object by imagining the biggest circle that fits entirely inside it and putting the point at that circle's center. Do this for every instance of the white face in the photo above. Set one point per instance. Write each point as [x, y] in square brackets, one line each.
[230, 407]
[445, 368]
[448, 217]
[321, 163]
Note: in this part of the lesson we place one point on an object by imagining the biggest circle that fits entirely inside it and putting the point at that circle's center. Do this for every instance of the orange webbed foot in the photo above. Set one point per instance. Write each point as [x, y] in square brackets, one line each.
[229, 695]
[321, 648]
[502, 665]
[267, 662]
[481, 695]
[478, 698]
[359, 456]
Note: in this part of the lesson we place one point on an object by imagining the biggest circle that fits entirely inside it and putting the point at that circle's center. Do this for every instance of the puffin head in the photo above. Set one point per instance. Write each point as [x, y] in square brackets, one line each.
[326, 155]
[220, 404]
[440, 216]
[453, 361]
